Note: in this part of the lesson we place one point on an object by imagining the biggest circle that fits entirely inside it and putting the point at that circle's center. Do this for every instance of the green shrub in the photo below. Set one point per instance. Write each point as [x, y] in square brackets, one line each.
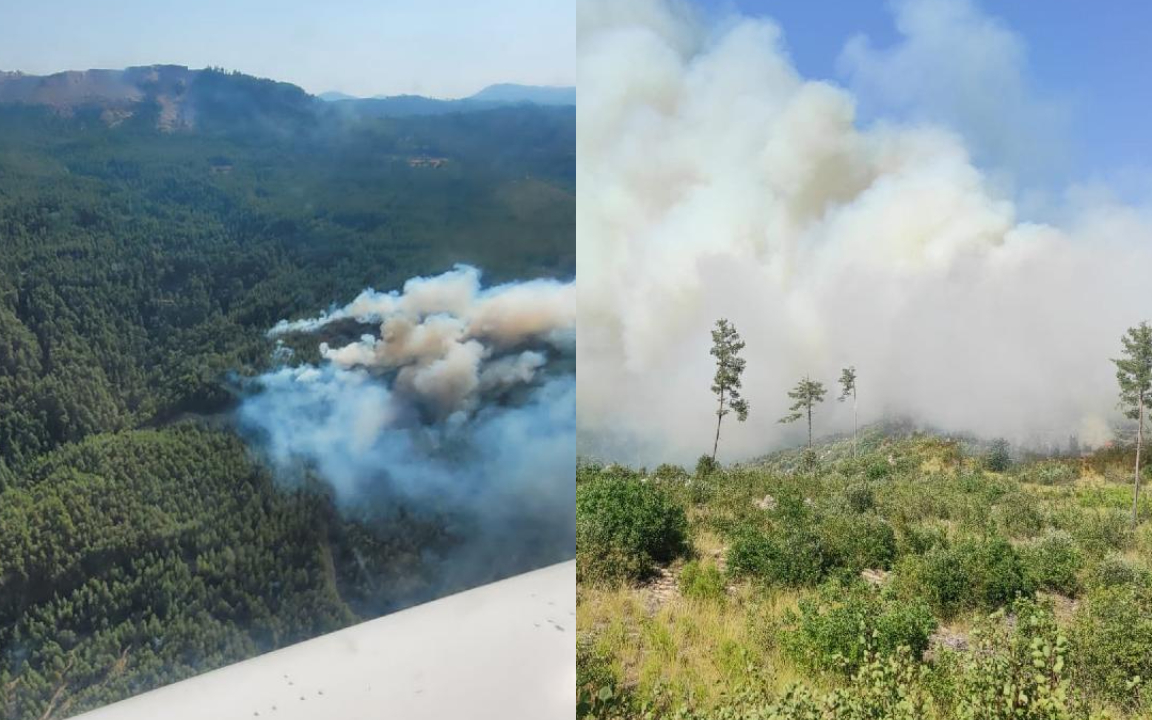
[884, 688]
[973, 573]
[1052, 562]
[792, 508]
[1015, 671]
[705, 466]
[1052, 472]
[836, 629]
[936, 576]
[1018, 515]
[1098, 531]
[790, 556]
[998, 459]
[919, 538]
[623, 527]
[668, 472]
[995, 571]
[878, 469]
[1115, 570]
[1113, 637]
[856, 542]
[596, 682]
[809, 461]
[859, 497]
[702, 581]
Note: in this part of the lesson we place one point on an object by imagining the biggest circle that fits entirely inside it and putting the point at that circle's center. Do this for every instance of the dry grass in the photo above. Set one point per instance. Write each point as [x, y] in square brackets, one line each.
[690, 650]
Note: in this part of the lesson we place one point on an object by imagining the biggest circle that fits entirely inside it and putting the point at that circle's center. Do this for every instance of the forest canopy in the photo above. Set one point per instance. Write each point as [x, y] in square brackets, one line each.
[140, 540]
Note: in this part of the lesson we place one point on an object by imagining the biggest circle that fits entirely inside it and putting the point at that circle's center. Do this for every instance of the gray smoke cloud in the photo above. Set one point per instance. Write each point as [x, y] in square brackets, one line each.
[715, 181]
[462, 401]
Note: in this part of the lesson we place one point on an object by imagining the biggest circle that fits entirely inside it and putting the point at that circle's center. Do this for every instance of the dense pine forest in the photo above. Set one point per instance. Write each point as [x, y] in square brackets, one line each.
[141, 540]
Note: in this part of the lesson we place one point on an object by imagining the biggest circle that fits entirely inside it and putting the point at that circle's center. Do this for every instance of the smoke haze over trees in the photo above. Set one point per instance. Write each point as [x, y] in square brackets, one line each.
[825, 240]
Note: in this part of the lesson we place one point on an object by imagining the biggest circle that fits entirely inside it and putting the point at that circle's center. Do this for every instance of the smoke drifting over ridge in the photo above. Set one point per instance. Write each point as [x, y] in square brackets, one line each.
[716, 182]
[462, 402]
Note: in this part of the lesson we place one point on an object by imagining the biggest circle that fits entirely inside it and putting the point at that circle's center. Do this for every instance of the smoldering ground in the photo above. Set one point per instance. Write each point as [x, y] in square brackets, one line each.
[715, 181]
[456, 404]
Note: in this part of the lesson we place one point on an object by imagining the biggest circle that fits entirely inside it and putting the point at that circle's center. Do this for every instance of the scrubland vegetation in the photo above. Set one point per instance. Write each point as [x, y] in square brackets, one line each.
[921, 577]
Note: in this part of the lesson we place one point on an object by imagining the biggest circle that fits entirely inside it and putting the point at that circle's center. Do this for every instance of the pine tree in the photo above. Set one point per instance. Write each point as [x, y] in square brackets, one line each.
[848, 389]
[806, 394]
[1134, 375]
[726, 347]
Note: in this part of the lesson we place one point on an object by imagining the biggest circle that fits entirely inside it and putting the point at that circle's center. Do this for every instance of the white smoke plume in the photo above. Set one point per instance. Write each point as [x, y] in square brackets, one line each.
[717, 182]
[959, 66]
[447, 339]
[462, 402]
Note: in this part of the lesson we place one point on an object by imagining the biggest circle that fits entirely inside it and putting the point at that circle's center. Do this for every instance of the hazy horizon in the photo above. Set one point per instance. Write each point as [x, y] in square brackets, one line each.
[317, 93]
[442, 49]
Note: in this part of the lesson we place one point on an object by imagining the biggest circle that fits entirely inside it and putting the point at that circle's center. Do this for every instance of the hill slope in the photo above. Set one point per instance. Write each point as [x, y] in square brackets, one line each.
[140, 266]
[908, 581]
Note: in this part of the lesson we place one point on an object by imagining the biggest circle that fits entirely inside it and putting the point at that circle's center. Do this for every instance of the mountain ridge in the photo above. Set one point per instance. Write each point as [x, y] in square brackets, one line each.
[184, 99]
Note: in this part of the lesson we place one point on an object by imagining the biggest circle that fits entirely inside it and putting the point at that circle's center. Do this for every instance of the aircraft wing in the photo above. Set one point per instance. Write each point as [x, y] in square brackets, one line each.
[504, 651]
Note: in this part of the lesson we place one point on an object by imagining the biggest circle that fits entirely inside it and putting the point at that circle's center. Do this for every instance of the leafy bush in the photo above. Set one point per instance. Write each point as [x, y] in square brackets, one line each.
[1113, 636]
[919, 538]
[791, 556]
[1052, 472]
[809, 461]
[668, 472]
[1115, 570]
[705, 465]
[1015, 671]
[878, 469]
[1098, 531]
[887, 688]
[971, 574]
[1019, 515]
[859, 497]
[1052, 562]
[702, 581]
[904, 624]
[623, 527]
[998, 458]
[596, 682]
[857, 542]
[838, 628]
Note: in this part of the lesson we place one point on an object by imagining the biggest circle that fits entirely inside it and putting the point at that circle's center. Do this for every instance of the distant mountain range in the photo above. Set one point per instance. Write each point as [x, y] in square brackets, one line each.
[503, 93]
[176, 98]
[534, 94]
[490, 97]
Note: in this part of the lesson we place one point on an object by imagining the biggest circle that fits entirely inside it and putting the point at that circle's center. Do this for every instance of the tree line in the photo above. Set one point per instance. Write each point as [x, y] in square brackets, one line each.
[1133, 376]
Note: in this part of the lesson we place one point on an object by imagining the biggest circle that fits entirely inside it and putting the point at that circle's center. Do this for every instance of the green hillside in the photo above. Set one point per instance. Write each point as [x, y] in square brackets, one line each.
[910, 581]
[140, 542]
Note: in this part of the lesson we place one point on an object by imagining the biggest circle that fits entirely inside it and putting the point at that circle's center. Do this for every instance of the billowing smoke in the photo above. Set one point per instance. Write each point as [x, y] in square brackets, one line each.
[460, 401]
[716, 182]
[451, 344]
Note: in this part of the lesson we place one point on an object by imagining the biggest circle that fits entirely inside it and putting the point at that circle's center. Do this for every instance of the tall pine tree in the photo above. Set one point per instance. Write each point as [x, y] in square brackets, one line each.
[1134, 375]
[848, 389]
[726, 347]
[806, 394]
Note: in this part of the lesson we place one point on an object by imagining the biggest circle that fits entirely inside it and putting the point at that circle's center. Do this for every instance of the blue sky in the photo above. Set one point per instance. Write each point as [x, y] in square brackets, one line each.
[442, 48]
[1083, 69]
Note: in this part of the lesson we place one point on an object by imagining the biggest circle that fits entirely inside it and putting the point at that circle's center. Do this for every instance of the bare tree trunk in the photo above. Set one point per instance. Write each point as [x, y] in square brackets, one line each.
[1136, 477]
[719, 417]
[855, 442]
[809, 424]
